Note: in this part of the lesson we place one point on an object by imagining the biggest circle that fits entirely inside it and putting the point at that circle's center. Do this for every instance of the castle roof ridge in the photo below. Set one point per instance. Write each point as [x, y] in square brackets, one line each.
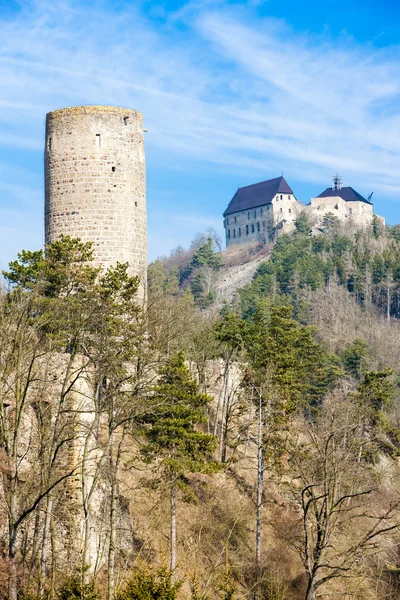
[257, 194]
[346, 193]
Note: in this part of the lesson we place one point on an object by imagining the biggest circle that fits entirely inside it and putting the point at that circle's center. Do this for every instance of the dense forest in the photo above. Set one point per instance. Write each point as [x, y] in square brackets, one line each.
[175, 449]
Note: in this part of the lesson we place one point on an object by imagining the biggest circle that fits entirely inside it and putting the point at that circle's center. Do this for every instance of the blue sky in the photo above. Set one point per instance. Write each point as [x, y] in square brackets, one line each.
[231, 92]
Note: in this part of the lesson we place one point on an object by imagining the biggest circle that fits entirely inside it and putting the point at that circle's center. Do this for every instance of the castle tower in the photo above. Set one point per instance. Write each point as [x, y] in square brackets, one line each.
[95, 184]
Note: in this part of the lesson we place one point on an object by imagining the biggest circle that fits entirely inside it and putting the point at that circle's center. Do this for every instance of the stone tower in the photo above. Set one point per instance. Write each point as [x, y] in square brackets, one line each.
[95, 182]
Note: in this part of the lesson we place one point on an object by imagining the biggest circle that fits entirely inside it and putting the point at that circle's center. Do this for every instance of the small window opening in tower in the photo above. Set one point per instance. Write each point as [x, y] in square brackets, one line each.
[98, 139]
[281, 196]
[229, 234]
[252, 228]
[234, 233]
[113, 169]
[49, 144]
[258, 226]
[135, 203]
[247, 230]
[126, 119]
[240, 232]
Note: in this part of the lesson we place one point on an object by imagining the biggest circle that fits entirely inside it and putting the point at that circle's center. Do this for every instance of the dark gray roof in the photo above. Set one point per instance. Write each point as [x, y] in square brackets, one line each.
[257, 194]
[346, 193]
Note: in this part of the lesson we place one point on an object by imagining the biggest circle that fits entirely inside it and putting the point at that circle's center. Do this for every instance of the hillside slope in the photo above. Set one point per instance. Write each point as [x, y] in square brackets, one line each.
[232, 278]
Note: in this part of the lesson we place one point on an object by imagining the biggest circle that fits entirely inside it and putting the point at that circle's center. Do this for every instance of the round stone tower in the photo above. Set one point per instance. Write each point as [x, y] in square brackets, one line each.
[95, 182]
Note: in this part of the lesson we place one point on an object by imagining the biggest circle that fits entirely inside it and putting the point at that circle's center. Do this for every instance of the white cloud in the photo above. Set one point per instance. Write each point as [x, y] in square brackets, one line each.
[215, 85]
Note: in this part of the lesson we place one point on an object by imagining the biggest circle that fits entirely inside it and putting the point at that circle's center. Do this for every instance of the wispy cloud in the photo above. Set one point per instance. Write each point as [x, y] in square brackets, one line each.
[217, 87]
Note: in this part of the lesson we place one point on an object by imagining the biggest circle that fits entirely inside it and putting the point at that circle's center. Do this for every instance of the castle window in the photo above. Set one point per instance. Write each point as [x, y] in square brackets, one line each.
[234, 233]
[229, 234]
[290, 210]
[281, 210]
[277, 197]
[98, 139]
[135, 203]
[113, 169]
[235, 219]
[281, 197]
[247, 230]
[49, 144]
[261, 211]
[252, 228]
[289, 197]
[258, 226]
[126, 120]
[240, 232]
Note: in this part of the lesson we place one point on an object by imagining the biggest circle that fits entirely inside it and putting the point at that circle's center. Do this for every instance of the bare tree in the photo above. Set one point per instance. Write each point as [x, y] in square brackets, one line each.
[337, 499]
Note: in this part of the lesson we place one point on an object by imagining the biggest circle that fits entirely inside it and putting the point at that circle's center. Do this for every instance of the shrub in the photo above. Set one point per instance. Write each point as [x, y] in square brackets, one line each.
[147, 583]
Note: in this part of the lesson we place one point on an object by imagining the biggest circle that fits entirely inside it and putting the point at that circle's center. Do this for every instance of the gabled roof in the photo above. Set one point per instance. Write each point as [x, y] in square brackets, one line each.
[346, 193]
[257, 194]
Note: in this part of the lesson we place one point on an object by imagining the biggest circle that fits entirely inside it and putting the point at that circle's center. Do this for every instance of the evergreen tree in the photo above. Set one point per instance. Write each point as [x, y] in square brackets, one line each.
[355, 357]
[374, 395]
[172, 433]
[206, 256]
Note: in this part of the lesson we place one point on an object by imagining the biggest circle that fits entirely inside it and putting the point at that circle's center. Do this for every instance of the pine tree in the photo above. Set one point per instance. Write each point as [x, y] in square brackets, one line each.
[172, 433]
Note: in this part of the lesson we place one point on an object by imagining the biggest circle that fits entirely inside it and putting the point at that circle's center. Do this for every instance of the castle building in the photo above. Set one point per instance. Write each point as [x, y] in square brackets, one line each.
[256, 210]
[344, 203]
[95, 182]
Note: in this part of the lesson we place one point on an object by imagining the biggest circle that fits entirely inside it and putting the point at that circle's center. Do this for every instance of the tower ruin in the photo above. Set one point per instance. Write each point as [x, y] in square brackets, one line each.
[95, 182]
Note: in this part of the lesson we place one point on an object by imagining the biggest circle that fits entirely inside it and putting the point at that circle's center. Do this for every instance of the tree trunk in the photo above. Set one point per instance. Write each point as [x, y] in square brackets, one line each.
[223, 411]
[114, 464]
[45, 545]
[86, 543]
[53, 558]
[310, 594]
[224, 431]
[111, 547]
[260, 478]
[12, 568]
[35, 541]
[12, 536]
[173, 527]
[246, 445]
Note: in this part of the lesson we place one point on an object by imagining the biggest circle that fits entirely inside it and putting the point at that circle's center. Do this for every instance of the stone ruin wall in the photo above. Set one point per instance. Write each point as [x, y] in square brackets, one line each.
[358, 214]
[95, 182]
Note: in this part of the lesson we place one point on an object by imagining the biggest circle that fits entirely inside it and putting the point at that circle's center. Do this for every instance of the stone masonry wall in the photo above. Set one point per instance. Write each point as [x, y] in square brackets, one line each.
[248, 226]
[256, 224]
[95, 182]
[359, 214]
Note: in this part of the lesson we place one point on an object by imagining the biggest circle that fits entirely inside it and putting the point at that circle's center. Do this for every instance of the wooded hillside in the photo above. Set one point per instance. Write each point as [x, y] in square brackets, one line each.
[182, 451]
